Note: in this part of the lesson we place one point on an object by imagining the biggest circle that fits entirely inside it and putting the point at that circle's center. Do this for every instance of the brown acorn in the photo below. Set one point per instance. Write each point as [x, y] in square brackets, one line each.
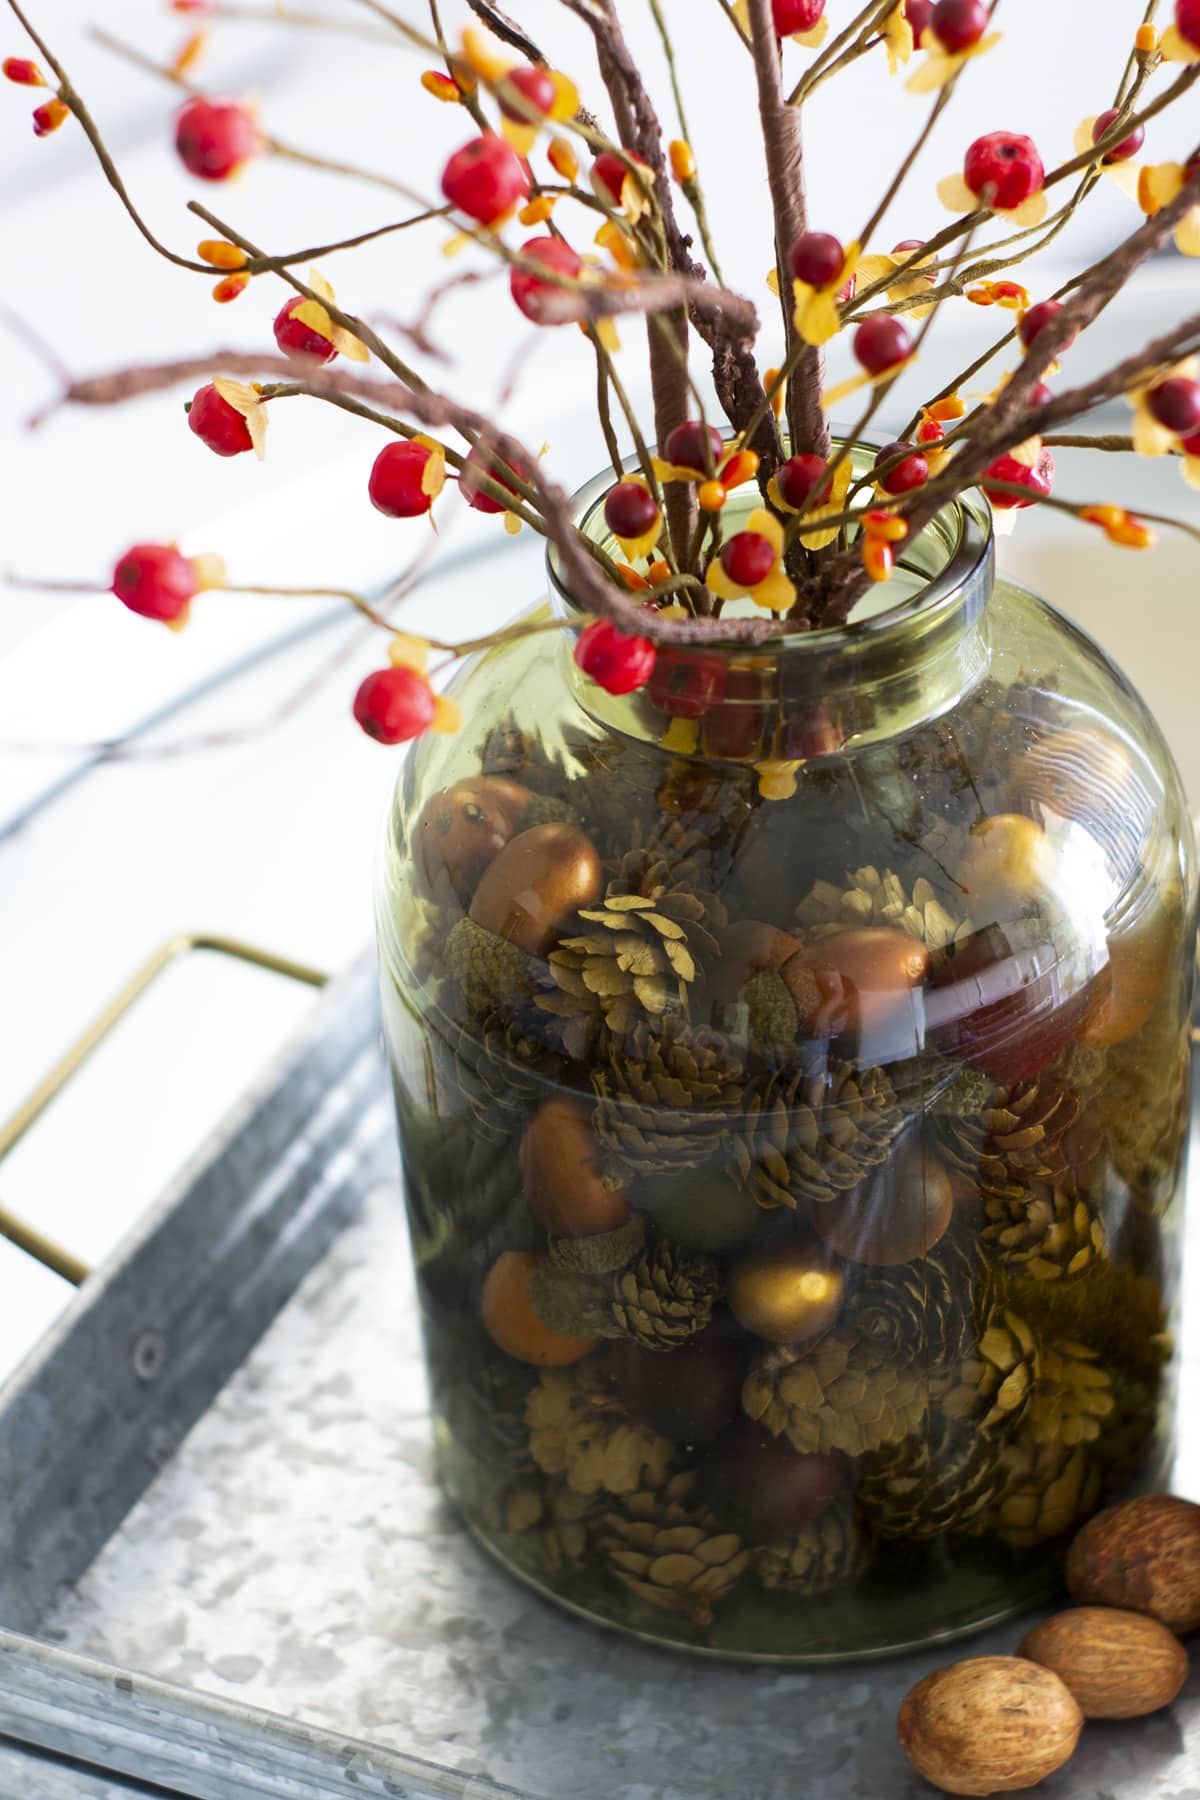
[563, 1183]
[534, 885]
[464, 828]
[1143, 1555]
[1118, 1665]
[895, 1216]
[878, 968]
[989, 1725]
[512, 1323]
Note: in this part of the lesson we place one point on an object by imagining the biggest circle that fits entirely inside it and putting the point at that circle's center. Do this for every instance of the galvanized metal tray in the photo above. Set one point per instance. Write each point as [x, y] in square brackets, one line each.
[226, 1571]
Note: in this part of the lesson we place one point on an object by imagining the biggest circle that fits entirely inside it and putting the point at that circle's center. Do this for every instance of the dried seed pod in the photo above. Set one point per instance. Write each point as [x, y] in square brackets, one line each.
[1118, 1665]
[989, 1725]
[1143, 1555]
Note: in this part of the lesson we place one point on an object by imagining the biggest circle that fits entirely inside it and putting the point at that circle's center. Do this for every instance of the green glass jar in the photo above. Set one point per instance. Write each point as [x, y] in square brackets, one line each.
[792, 1066]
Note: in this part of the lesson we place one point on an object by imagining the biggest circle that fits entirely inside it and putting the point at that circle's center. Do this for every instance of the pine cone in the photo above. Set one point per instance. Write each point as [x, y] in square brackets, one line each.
[666, 1297]
[492, 973]
[1050, 1232]
[561, 1518]
[672, 1552]
[947, 1480]
[578, 1428]
[664, 1099]
[638, 956]
[502, 1071]
[869, 898]
[814, 1137]
[1036, 1131]
[510, 750]
[822, 1555]
[1073, 1396]
[841, 1393]
[994, 1385]
[923, 1311]
[1050, 1489]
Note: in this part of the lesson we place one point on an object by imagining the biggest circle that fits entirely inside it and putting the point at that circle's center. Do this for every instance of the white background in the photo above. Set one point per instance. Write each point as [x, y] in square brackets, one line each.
[272, 836]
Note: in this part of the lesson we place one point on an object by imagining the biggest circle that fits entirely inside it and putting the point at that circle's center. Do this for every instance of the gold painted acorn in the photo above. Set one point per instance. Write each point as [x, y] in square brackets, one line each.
[533, 886]
[464, 828]
[564, 1186]
[786, 1293]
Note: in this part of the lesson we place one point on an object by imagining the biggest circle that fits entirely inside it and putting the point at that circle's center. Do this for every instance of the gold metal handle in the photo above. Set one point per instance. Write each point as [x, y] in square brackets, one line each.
[19, 1231]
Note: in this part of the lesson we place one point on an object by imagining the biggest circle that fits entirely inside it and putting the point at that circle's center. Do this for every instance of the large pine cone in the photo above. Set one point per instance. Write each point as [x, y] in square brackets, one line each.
[994, 1385]
[502, 1070]
[560, 1517]
[1037, 1131]
[1050, 1489]
[1073, 1397]
[871, 898]
[946, 1480]
[579, 1429]
[822, 1555]
[1051, 1231]
[671, 1552]
[923, 1311]
[842, 1393]
[814, 1137]
[664, 1098]
[665, 1297]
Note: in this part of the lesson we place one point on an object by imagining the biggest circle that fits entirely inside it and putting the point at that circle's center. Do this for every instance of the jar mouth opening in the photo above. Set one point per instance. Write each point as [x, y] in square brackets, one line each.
[948, 564]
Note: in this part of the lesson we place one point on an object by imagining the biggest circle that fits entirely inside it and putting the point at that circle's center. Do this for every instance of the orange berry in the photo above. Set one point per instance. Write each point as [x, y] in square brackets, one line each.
[633, 581]
[230, 286]
[220, 255]
[538, 211]
[511, 1322]
[442, 87]
[1147, 40]
[563, 159]
[779, 398]
[190, 52]
[23, 72]
[49, 116]
[885, 527]
[658, 572]
[683, 163]
[711, 496]
[740, 467]
[879, 559]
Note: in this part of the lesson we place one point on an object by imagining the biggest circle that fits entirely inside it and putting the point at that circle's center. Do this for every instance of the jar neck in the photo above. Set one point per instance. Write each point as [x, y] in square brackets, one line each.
[908, 654]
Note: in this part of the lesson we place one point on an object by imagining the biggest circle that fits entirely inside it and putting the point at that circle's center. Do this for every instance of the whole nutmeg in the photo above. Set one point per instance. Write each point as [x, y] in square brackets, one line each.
[1143, 1555]
[989, 1725]
[563, 1183]
[786, 1293]
[534, 885]
[464, 828]
[1118, 1665]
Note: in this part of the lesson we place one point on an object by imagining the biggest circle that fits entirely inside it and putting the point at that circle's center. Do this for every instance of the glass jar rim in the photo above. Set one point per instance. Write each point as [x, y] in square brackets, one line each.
[963, 582]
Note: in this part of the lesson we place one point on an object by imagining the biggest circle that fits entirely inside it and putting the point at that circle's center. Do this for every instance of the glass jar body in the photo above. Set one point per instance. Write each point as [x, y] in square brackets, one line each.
[794, 1142]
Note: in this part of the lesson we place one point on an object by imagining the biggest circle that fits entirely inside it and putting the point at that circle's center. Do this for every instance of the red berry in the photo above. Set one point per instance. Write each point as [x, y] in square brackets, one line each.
[959, 23]
[156, 581]
[397, 475]
[546, 302]
[1037, 319]
[1039, 480]
[608, 176]
[881, 343]
[797, 478]
[735, 726]
[796, 15]
[816, 258]
[930, 431]
[1187, 20]
[23, 72]
[478, 463]
[748, 558]
[535, 88]
[49, 116]
[393, 705]
[919, 14]
[485, 179]
[630, 509]
[913, 472]
[687, 683]
[1127, 147]
[295, 338]
[218, 424]
[1006, 162]
[214, 138]
[1191, 445]
[618, 663]
[1175, 403]
[685, 446]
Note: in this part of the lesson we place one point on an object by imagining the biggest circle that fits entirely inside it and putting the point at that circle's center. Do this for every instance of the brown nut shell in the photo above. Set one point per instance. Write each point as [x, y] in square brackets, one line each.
[563, 1183]
[1118, 1665]
[534, 885]
[464, 828]
[893, 1217]
[786, 1293]
[511, 1322]
[989, 1725]
[1143, 1555]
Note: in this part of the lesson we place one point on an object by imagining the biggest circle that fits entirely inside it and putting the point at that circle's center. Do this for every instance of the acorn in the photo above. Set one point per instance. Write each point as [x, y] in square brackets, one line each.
[1144, 1556]
[894, 1216]
[788, 1294]
[878, 970]
[1118, 1665]
[564, 1185]
[464, 828]
[536, 882]
[989, 1725]
[511, 1322]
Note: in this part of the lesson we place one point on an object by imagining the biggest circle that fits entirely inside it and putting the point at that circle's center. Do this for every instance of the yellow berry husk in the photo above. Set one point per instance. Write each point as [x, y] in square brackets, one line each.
[230, 286]
[1147, 40]
[658, 572]
[220, 255]
[190, 53]
[711, 496]
[742, 466]
[683, 163]
[879, 558]
[537, 211]
[1104, 516]
[633, 581]
[563, 159]
[447, 716]
[442, 87]
[408, 652]
[778, 400]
